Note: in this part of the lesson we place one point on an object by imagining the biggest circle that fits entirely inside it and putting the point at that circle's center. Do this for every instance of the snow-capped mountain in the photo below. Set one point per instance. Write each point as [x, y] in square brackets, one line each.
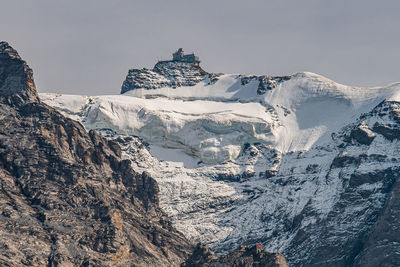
[306, 166]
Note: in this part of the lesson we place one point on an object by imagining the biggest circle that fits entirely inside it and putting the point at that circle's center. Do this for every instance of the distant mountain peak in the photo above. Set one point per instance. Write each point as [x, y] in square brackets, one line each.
[7, 51]
[16, 77]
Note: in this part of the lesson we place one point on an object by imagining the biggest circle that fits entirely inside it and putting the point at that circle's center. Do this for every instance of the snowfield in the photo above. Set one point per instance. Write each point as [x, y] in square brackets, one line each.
[195, 126]
[238, 167]
[214, 121]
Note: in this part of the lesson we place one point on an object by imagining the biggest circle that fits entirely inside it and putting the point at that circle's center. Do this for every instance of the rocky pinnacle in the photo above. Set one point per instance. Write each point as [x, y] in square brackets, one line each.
[16, 78]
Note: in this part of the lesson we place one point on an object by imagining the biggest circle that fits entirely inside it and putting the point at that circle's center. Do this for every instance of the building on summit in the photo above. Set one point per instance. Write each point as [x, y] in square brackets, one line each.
[181, 57]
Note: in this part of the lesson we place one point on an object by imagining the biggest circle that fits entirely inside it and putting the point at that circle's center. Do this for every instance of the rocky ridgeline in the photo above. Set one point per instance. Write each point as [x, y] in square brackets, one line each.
[16, 79]
[174, 74]
[164, 74]
[67, 196]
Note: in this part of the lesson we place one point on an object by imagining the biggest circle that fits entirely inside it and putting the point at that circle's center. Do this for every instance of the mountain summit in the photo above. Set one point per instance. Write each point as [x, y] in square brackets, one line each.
[182, 70]
[16, 78]
[301, 164]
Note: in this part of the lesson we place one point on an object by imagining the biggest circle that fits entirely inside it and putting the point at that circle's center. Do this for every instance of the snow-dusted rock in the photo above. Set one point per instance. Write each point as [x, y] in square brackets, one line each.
[164, 74]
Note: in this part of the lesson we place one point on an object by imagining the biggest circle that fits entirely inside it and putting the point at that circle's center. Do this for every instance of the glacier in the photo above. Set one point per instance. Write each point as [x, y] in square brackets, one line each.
[303, 166]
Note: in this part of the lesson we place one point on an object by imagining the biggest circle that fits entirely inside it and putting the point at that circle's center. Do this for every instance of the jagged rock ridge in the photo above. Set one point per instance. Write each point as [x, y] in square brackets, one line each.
[176, 73]
[164, 74]
[265, 82]
[16, 79]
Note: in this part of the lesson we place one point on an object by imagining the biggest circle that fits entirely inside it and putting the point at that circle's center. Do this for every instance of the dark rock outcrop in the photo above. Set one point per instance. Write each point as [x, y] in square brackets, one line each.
[387, 110]
[16, 78]
[165, 74]
[362, 135]
[268, 83]
[243, 256]
[265, 83]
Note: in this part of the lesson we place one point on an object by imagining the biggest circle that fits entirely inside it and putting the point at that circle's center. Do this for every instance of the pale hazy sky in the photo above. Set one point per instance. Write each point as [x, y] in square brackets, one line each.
[87, 46]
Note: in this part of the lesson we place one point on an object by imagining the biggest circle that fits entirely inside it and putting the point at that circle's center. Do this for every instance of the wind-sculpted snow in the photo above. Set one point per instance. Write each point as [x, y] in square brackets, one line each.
[305, 168]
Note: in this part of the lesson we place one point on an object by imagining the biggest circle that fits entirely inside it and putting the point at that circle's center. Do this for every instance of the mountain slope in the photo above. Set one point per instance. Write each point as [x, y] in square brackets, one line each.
[304, 165]
[67, 196]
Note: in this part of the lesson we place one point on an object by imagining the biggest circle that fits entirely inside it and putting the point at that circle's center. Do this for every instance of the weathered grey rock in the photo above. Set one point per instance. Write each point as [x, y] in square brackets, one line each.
[265, 83]
[381, 248]
[16, 78]
[165, 74]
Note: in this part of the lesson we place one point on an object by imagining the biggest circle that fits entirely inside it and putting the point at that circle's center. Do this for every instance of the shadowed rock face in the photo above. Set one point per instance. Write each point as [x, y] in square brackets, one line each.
[67, 197]
[381, 248]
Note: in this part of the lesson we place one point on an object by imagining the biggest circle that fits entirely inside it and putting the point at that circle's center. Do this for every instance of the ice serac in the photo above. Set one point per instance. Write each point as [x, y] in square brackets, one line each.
[306, 166]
